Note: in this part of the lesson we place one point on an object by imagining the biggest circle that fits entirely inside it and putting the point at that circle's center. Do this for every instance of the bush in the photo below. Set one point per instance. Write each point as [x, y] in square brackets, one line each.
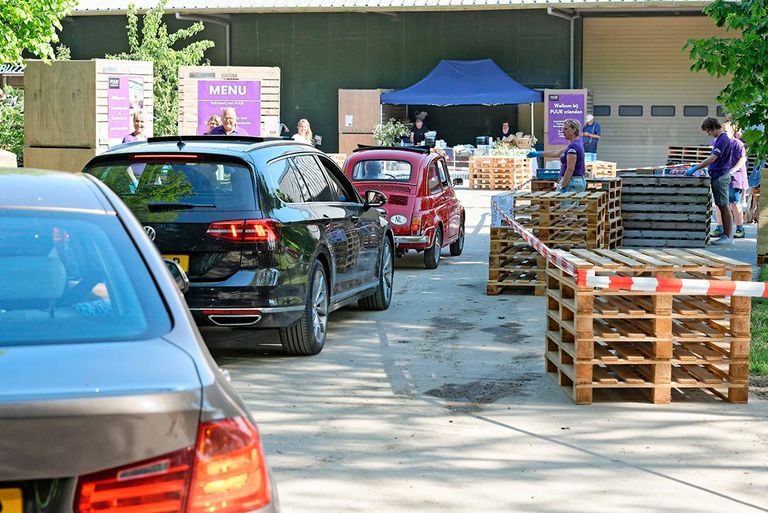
[12, 123]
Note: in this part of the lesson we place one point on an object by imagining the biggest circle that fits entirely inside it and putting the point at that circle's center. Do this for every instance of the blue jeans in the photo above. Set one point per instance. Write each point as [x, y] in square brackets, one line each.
[576, 184]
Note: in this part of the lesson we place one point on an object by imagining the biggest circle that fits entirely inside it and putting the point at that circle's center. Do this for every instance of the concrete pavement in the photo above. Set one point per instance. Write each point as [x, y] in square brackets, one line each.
[441, 404]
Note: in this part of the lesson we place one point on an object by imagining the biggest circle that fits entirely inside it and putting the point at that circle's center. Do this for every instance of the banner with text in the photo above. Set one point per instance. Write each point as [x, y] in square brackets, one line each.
[243, 96]
[562, 105]
[125, 95]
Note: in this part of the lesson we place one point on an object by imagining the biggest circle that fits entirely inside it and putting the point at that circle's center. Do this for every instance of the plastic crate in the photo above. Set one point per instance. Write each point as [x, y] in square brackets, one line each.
[547, 174]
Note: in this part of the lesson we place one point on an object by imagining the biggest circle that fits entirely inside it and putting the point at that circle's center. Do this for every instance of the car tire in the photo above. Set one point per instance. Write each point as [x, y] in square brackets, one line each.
[458, 245]
[381, 299]
[307, 335]
[432, 253]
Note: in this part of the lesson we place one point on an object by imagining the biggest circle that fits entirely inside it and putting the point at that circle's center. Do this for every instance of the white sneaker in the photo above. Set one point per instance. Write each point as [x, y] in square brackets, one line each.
[723, 241]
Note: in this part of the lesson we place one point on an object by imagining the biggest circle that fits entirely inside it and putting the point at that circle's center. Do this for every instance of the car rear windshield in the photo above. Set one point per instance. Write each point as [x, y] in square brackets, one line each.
[204, 185]
[70, 278]
[397, 170]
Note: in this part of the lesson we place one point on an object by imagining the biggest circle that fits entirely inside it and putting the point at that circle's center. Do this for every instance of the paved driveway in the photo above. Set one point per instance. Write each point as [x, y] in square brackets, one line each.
[441, 405]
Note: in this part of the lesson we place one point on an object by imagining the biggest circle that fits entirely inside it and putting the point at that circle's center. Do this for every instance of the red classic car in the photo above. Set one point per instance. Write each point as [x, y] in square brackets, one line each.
[421, 206]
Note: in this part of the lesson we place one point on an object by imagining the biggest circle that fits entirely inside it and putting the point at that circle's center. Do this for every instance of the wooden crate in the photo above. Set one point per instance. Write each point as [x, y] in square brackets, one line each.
[191, 106]
[600, 169]
[665, 211]
[655, 342]
[560, 220]
[499, 172]
[72, 104]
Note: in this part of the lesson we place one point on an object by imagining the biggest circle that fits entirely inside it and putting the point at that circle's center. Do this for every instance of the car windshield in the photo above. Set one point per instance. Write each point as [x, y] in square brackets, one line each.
[176, 185]
[70, 278]
[396, 170]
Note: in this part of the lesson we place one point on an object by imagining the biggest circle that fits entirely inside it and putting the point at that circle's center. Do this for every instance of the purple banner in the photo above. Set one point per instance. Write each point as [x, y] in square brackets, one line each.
[243, 96]
[559, 108]
[124, 96]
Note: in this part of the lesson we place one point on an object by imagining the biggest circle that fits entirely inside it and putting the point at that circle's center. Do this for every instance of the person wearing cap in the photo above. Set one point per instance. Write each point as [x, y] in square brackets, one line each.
[739, 183]
[590, 135]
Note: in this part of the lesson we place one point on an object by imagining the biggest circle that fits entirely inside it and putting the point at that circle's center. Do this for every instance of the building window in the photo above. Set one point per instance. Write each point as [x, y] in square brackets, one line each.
[695, 111]
[720, 111]
[601, 111]
[663, 110]
[630, 110]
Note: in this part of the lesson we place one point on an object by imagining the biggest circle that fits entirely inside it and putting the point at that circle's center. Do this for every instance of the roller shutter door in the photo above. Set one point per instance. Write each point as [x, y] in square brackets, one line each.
[639, 62]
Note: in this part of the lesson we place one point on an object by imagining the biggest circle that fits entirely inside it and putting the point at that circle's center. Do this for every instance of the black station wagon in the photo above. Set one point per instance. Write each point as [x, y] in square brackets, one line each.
[270, 232]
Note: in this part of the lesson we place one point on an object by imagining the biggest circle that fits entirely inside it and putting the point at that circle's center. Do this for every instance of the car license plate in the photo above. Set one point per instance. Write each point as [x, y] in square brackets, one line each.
[182, 260]
[10, 500]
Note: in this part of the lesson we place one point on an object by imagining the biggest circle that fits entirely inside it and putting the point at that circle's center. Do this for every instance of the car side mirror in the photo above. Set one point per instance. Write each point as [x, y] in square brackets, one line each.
[374, 199]
[458, 181]
[178, 275]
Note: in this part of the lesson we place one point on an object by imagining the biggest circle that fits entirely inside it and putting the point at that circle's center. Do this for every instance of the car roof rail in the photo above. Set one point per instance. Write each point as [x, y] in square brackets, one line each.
[198, 138]
[414, 149]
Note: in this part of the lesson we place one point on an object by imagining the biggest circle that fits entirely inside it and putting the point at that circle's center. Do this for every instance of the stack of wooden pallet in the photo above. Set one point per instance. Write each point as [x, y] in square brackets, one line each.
[499, 172]
[614, 228]
[616, 339]
[665, 211]
[562, 220]
[600, 169]
[695, 154]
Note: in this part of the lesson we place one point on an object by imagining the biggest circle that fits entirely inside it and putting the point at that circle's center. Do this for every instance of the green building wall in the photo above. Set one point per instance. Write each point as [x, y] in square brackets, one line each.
[320, 53]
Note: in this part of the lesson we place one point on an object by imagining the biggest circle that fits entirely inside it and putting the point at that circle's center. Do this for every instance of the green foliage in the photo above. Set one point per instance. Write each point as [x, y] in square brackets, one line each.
[155, 44]
[389, 133]
[744, 60]
[758, 351]
[63, 53]
[12, 123]
[30, 25]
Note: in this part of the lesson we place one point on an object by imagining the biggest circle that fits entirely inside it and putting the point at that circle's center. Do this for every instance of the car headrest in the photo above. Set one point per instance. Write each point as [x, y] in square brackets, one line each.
[31, 278]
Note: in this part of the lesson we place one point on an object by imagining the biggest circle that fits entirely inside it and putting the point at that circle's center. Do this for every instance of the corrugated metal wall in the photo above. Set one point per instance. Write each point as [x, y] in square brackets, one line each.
[640, 61]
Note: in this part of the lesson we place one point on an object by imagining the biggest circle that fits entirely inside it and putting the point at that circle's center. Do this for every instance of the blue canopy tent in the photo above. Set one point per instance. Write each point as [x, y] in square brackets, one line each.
[480, 82]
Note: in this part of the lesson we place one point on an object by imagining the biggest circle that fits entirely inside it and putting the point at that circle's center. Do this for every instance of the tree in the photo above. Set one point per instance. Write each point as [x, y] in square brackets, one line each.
[30, 25]
[12, 123]
[744, 59]
[157, 45]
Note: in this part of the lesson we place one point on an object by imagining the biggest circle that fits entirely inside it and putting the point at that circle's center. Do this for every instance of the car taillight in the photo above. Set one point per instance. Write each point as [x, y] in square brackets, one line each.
[230, 472]
[225, 472]
[158, 485]
[415, 226]
[250, 230]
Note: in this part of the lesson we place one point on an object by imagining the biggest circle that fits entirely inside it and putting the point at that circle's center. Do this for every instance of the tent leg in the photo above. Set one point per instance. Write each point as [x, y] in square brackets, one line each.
[531, 119]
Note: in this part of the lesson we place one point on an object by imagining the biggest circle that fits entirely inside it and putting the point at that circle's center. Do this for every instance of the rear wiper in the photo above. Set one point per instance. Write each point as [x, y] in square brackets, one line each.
[155, 206]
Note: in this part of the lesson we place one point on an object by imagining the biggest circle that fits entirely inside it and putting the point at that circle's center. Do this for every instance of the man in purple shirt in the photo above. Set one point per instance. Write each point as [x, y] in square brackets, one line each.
[228, 124]
[719, 165]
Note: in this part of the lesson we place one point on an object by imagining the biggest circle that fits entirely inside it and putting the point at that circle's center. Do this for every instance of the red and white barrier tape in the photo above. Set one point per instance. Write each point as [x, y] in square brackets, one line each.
[588, 278]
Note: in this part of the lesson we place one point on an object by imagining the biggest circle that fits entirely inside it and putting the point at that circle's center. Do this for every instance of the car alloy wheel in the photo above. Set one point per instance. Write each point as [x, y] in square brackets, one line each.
[387, 271]
[319, 306]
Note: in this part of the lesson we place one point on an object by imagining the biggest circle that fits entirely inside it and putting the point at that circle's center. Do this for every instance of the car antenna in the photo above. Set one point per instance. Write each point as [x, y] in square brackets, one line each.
[181, 143]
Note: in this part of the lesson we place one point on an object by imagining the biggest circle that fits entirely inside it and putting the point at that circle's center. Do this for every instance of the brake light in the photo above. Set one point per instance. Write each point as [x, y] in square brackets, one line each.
[158, 485]
[415, 226]
[168, 156]
[250, 230]
[230, 473]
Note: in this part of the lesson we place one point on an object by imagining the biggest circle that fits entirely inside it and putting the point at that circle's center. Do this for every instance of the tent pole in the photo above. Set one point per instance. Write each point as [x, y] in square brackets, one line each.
[531, 119]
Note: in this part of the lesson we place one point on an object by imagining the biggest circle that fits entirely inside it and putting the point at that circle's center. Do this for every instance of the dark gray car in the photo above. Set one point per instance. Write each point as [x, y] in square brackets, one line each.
[109, 400]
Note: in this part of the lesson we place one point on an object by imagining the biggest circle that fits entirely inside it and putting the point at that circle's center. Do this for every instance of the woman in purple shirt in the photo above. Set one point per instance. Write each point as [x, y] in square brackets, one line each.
[138, 128]
[571, 159]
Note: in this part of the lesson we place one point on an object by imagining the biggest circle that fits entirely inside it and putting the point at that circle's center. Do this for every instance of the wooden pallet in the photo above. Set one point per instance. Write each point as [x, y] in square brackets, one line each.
[504, 173]
[512, 264]
[656, 342]
[665, 211]
[600, 169]
[695, 154]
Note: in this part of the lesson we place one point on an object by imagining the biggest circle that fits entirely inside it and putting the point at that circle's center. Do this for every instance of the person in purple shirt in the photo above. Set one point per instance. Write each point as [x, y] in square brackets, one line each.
[719, 164]
[571, 159]
[138, 128]
[738, 186]
[228, 124]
